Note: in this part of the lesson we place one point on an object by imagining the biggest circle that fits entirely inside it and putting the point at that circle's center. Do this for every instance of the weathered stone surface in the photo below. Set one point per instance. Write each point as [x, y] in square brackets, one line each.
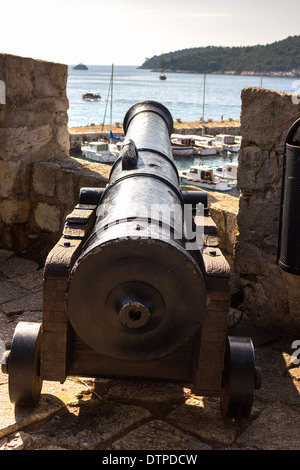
[19, 85]
[259, 169]
[24, 140]
[271, 296]
[10, 292]
[54, 397]
[32, 301]
[115, 415]
[33, 129]
[259, 218]
[266, 117]
[157, 435]
[13, 266]
[201, 416]
[43, 178]
[9, 175]
[62, 136]
[49, 79]
[14, 211]
[65, 186]
[224, 209]
[47, 217]
[144, 391]
[277, 428]
[89, 426]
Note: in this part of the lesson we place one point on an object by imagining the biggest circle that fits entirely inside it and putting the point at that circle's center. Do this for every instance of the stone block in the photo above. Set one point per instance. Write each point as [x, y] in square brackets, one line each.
[14, 211]
[258, 219]
[47, 217]
[65, 181]
[50, 79]
[259, 170]
[26, 140]
[43, 178]
[9, 175]
[19, 84]
[62, 139]
[252, 260]
[266, 118]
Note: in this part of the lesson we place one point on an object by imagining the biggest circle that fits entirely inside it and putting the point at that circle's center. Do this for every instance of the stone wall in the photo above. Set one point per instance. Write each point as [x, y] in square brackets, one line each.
[39, 182]
[271, 295]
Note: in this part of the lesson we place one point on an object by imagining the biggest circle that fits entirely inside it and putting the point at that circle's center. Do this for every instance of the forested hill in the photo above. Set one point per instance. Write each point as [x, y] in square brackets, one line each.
[278, 57]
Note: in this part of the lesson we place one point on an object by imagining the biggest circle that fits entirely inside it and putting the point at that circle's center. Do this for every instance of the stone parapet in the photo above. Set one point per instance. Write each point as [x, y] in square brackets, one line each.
[39, 181]
[271, 296]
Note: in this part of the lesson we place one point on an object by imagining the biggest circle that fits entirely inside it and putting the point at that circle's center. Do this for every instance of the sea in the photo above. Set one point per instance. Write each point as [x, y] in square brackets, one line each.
[188, 97]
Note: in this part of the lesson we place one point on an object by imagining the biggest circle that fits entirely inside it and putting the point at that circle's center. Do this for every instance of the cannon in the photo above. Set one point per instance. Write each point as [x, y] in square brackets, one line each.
[137, 287]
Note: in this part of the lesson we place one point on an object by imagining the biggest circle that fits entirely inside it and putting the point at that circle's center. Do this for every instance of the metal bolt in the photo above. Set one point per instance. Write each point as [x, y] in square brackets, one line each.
[66, 244]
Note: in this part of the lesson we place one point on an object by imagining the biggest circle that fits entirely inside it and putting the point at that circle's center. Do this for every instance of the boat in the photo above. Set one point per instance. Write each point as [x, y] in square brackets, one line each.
[203, 177]
[228, 171]
[182, 145]
[101, 151]
[91, 96]
[226, 142]
[182, 151]
[238, 140]
[194, 145]
[162, 76]
[204, 145]
[80, 66]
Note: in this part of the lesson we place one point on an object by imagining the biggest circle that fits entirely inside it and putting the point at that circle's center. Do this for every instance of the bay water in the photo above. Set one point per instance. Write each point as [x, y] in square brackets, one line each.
[187, 96]
[182, 93]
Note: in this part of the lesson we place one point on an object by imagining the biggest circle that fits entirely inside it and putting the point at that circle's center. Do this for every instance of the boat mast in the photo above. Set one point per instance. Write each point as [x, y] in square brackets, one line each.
[203, 104]
[111, 95]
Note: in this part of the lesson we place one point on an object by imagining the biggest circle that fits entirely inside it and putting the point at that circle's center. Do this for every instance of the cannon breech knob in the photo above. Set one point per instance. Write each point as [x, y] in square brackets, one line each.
[134, 315]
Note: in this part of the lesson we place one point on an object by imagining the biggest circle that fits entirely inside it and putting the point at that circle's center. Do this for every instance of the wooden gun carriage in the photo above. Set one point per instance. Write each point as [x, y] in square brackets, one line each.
[120, 303]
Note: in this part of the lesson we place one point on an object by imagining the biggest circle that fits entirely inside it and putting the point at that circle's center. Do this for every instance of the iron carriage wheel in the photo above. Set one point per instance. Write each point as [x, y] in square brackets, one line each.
[24, 381]
[240, 378]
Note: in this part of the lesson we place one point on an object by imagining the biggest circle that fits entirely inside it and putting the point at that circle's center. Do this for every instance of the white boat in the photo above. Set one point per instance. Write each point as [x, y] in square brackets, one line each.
[101, 151]
[197, 145]
[203, 177]
[228, 171]
[182, 151]
[238, 140]
[204, 145]
[226, 142]
[182, 145]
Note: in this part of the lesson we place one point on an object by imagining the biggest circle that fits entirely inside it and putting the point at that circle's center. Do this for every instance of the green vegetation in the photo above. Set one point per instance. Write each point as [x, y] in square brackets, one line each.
[280, 56]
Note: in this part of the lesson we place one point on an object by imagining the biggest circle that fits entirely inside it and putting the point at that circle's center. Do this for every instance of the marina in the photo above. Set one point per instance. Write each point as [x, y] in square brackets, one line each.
[195, 99]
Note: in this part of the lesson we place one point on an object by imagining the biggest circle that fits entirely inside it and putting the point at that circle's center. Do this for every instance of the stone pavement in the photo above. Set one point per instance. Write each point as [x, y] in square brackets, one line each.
[113, 414]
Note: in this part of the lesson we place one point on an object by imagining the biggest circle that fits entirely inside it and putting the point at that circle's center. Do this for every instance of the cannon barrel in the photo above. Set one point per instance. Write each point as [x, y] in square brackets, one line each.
[136, 293]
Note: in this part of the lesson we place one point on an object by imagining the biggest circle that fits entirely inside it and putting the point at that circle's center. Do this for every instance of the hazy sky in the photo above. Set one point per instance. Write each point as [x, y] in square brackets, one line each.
[126, 32]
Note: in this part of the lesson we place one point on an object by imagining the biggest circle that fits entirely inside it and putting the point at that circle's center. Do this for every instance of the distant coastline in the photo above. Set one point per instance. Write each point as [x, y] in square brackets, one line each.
[292, 73]
[278, 59]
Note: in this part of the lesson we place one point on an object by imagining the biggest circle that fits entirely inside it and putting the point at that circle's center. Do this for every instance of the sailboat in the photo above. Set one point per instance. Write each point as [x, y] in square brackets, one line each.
[100, 150]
